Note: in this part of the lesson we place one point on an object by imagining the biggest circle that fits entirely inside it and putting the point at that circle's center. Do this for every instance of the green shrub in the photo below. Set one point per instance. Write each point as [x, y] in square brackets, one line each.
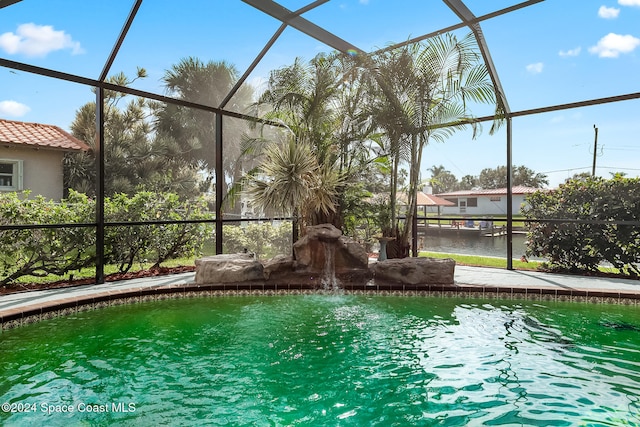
[235, 240]
[154, 243]
[263, 239]
[577, 247]
[171, 241]
[43, 251]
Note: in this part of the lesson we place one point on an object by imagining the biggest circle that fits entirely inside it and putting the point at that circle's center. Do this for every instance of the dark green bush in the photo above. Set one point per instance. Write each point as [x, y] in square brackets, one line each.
[154, 243]
[263, 239]
[43, 251]
[605, 206]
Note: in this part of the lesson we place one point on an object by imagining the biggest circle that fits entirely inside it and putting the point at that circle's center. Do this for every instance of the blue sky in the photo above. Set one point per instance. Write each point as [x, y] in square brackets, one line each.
[554, 52]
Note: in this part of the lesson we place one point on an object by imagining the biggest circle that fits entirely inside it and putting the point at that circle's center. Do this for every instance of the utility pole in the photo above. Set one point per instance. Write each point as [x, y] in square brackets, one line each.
[595, 151]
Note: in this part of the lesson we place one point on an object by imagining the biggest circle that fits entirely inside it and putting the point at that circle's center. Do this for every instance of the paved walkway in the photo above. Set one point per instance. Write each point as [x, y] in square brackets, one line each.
[482, 276]
[48, 296]
[464, 276]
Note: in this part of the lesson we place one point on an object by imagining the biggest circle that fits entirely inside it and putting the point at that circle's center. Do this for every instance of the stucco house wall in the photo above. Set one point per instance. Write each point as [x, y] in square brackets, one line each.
[31, 158]
[41, 170]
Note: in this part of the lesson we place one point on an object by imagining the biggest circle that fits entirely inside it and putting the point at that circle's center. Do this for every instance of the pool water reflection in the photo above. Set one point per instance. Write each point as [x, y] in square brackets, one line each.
[330, 360]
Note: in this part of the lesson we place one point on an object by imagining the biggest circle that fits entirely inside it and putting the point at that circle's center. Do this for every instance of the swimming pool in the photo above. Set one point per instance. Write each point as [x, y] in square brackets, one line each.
[326, 360]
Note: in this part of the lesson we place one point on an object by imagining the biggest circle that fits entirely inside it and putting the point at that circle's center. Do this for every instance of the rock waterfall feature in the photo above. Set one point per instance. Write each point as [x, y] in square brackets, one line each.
[324, 259]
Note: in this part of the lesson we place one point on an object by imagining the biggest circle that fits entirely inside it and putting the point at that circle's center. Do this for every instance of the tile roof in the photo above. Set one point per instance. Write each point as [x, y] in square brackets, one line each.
[38, 135]
[518, 189]
[424, 199]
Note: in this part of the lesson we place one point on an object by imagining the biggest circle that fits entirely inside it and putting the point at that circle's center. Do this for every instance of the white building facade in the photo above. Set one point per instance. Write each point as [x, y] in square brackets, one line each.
[485, 202]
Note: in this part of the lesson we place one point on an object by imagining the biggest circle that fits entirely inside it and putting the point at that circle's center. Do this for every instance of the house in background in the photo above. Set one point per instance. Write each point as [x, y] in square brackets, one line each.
[485, 202]
[31, 157]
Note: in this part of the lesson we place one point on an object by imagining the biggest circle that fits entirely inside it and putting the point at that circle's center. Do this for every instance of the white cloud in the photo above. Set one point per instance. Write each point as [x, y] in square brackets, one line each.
[37, 41]
[629, 2]
[570, 52]
[612, 45]
[535, 68]
[13, 108]
[608, 12]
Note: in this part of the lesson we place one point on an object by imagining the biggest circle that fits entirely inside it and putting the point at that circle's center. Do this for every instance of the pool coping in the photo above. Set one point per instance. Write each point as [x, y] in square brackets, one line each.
[469, 282]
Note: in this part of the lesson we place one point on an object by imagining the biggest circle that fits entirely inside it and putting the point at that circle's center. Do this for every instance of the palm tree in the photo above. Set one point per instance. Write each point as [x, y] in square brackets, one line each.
[390, 79]
[291, 182]
[208, 84]
[300, 96]
[428, 91]
[322, 104]
[442, 180]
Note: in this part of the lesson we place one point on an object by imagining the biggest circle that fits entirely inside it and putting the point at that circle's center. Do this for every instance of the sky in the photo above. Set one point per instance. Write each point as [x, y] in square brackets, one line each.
[551, 53]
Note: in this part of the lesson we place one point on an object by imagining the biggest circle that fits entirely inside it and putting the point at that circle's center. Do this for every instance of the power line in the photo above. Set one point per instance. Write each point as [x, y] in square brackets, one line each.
[619, 168]
[587, 167]
[566, 170]
[621, 148]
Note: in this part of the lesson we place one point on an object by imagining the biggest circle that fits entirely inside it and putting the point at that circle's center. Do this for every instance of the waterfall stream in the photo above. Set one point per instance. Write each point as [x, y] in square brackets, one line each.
[329, 280]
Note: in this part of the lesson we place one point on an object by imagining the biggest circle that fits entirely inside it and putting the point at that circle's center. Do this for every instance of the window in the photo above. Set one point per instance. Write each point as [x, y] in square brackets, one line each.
[452, 200]
[472, 202]
[10, 175]
[495, 198]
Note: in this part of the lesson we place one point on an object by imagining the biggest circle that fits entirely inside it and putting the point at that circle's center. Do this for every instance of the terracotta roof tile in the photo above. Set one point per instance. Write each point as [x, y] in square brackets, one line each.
[38, 135]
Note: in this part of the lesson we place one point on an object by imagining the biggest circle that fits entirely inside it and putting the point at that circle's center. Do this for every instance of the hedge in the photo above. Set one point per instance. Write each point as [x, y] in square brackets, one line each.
[605, 236]
[43, 251]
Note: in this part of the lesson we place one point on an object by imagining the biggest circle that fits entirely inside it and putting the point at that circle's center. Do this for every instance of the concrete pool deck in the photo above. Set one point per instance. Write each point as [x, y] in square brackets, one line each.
[26, 307]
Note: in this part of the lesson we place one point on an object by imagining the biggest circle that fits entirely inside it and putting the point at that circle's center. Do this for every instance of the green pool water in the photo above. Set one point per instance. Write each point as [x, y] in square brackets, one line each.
[320, 360]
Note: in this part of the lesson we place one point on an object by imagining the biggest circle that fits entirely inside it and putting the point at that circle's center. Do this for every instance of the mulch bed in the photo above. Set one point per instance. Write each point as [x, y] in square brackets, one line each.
[162, 271]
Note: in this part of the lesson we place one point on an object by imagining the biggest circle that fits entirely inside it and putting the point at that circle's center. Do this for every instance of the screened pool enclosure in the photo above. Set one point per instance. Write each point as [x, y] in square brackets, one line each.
[170, 98]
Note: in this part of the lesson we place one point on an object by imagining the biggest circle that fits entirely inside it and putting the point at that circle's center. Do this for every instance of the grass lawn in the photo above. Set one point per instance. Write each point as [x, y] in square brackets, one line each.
[483, 261]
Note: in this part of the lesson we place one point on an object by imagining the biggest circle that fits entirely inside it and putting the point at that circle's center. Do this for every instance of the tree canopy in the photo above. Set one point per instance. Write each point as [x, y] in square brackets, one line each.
[443, 181]
[136, 158]
[348, 121]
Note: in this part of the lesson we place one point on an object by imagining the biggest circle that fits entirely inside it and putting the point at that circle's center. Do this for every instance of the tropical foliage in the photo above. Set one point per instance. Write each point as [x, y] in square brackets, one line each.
[194, 130]
[443, 181]
[356, 114]
[152, 146]
[47, 250]
[427, 90]
[586, 222]
[264, 240]
[291, 182]
[321, 106]
[136, 158]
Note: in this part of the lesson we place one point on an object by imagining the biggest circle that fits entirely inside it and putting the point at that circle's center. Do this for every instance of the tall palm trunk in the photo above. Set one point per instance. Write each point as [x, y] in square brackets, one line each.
[394, 191]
